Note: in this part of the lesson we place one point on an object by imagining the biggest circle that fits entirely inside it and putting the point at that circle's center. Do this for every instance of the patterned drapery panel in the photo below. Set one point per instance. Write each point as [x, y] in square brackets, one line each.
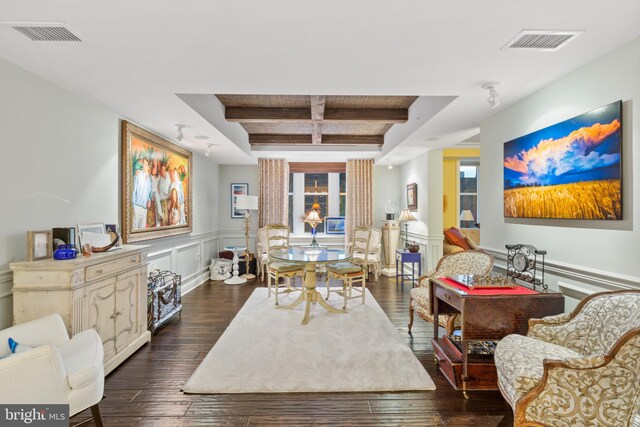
[359, 194]
[273, 206]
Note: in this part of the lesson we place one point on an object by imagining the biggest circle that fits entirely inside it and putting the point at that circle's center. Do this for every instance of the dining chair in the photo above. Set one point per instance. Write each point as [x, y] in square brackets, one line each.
[366, 249]
[277, 236]
[349, 274]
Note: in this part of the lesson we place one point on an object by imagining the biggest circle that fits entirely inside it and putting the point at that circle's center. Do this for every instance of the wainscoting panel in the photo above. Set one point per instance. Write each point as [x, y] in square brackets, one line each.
[160, 260]
[430, 248]
[573, 281]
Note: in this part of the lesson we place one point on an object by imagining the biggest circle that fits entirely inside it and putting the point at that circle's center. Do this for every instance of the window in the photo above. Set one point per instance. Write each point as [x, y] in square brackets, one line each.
[469, 191]
[329, 189]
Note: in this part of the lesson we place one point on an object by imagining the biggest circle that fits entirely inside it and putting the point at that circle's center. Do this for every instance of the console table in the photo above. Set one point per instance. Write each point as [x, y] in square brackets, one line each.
[405, 257]
[488, 315]
[106, 292]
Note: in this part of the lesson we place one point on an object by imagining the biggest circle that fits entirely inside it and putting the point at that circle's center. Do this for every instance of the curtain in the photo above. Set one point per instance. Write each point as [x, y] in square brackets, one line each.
[273, 205]
[359, 195]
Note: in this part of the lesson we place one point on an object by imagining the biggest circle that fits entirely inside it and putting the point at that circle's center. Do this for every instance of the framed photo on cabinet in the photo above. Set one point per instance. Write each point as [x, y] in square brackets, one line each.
[39, 245]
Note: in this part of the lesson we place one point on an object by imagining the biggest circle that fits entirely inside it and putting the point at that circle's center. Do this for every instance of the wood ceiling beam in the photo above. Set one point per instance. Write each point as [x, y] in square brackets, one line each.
[285, 139]
[317, 114]
[266, 115]
[317, 107]
[386, 115]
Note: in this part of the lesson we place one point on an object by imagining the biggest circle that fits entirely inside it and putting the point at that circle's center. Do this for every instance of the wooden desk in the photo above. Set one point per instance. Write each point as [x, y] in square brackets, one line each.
[487, 315]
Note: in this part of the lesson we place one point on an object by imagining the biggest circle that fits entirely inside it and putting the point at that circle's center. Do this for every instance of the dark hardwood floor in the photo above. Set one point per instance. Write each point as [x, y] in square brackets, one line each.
[145, 390]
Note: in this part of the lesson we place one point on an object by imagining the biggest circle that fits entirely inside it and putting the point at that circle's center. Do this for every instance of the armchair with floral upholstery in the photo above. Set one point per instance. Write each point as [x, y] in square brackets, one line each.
[466, 262]
[578, 369]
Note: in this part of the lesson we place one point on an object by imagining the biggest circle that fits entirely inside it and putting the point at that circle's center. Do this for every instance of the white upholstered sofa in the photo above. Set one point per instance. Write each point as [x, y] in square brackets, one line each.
[578, 369]
[56, 370]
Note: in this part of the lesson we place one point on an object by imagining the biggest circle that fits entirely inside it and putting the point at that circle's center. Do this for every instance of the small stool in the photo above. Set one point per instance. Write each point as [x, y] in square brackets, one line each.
[349, 274]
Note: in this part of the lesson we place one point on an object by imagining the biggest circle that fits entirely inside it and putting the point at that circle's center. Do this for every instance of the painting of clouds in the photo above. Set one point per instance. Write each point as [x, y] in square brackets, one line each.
[569, 170]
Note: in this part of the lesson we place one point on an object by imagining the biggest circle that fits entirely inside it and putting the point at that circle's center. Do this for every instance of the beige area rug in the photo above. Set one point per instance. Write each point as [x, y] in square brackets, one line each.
[265, 350]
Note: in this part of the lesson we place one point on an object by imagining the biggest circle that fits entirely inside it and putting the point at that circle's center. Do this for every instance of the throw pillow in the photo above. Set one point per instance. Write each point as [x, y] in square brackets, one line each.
[15, 347]
[457, 238]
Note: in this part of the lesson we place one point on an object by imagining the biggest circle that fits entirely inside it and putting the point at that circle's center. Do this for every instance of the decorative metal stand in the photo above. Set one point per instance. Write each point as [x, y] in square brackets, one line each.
[522, 264]
[164, 297]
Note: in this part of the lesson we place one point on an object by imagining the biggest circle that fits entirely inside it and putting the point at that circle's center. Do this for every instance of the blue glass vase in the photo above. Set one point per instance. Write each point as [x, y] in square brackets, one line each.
[65, 252]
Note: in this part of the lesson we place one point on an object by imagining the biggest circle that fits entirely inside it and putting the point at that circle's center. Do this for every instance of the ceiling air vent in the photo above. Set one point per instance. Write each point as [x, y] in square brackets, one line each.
[542, 40]
[46, 33]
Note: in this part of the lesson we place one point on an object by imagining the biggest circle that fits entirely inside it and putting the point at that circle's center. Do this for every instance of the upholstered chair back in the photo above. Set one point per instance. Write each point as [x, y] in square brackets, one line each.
[598, 323]
[467, 262]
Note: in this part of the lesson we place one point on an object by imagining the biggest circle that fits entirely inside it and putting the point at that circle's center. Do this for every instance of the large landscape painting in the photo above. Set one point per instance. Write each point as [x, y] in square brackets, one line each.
[569, 170]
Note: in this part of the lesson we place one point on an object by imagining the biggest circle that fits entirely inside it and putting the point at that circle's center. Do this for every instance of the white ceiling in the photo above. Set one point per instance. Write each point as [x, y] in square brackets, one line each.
[157, 62]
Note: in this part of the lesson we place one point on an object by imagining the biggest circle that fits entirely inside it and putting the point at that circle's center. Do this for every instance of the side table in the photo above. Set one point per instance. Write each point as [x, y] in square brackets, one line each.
[405, 257]
[235, 279]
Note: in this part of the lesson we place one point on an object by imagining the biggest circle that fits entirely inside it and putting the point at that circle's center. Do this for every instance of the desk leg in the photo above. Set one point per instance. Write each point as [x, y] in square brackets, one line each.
[434, 301]
[465, 360]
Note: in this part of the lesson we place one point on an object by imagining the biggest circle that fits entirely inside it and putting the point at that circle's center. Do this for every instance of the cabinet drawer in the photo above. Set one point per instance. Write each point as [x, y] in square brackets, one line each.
[111, 267]
[448, 296]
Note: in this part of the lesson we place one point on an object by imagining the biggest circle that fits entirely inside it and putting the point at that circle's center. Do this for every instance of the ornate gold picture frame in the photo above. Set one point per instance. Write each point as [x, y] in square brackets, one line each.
[157, 186]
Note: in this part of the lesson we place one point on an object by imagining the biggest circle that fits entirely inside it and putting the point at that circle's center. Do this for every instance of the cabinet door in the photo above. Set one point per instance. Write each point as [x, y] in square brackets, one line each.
[101, 302]
[127, 306]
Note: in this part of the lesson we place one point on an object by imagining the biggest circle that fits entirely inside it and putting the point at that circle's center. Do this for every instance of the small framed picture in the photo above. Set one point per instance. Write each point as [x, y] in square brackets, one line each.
[95, 227]
[39, 245]
[412, 196]
[238, 190]
[334, 225]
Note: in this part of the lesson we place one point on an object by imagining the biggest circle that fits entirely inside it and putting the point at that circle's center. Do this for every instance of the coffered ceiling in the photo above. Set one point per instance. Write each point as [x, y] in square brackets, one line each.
[303, 120]
[159, 63]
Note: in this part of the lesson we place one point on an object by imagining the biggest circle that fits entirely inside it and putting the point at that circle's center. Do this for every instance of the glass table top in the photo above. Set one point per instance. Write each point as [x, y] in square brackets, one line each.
[309, 254]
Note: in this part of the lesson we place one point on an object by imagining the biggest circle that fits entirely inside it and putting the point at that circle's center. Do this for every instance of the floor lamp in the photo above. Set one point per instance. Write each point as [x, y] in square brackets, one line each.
[248, 203]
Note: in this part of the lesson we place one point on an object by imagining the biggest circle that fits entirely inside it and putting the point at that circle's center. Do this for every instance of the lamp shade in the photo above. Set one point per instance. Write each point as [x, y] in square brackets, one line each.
[313, 217]
[247, 202]
[406, 215]
[466, 215]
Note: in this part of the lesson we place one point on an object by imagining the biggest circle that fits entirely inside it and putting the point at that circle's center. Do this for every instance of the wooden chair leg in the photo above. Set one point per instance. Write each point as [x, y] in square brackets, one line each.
[276, 285]
[95, 413]
[410, 315]
[328, 287]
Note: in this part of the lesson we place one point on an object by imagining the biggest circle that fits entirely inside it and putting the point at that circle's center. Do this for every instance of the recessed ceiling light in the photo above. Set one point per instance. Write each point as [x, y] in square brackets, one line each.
[201, 137]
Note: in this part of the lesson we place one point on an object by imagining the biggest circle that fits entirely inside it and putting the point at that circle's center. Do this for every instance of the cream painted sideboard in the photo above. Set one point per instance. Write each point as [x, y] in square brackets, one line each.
[106, 292]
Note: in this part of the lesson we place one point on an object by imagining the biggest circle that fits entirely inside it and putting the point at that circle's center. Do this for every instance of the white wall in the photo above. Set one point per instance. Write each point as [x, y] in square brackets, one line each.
[61, 167]
[586, 253]
[426, 172]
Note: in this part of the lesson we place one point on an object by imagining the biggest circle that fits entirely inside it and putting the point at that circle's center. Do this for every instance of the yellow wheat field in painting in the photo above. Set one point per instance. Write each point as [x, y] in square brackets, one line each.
[579, 200]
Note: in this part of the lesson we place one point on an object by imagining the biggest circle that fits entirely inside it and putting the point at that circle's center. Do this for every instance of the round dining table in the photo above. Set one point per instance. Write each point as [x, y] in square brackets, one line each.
[310, 257]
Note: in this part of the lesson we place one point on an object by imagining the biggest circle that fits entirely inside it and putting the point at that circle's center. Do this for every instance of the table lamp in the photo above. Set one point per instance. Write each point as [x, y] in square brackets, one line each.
[466, 215]
[406, 216]
[248, 203]
[313, 220]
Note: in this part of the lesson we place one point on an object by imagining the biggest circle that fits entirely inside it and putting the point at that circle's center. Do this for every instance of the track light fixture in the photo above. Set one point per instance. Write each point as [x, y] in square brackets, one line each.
[207, 152]
[494, 96]
[180, 136]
